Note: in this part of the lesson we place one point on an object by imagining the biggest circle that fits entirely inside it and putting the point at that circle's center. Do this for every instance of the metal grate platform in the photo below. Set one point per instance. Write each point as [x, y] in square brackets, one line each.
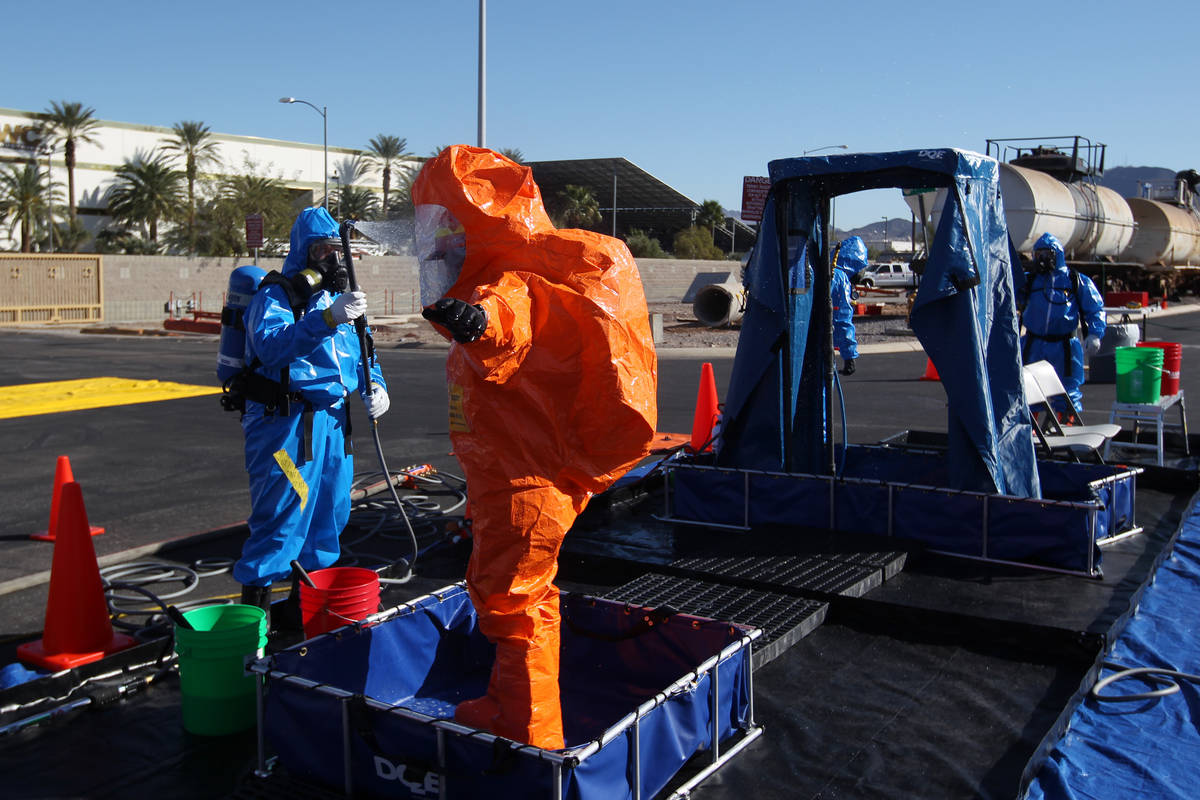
[854, 576]
[784, 620]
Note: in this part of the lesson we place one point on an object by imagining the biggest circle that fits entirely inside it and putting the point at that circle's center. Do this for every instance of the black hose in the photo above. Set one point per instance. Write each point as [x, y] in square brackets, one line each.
[360, 326]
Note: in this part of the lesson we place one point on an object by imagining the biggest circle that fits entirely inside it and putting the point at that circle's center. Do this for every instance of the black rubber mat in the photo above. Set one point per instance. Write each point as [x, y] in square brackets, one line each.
[784, 620]
[281, 786]
[828, 574]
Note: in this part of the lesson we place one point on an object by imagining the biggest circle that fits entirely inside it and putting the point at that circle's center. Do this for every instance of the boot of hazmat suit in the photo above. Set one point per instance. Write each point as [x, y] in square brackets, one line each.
[552, 387]
[1053, 300]
[297, 456]
[851, 258]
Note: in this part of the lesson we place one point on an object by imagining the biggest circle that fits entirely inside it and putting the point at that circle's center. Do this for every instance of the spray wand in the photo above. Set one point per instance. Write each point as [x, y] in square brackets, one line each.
[367, 349]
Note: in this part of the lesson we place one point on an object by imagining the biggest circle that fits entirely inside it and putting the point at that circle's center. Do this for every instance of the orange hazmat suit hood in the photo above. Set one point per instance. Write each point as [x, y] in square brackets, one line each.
[567, 365]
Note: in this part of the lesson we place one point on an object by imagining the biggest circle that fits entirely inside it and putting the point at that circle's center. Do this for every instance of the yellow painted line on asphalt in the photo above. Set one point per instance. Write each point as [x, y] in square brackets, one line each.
[30, 399]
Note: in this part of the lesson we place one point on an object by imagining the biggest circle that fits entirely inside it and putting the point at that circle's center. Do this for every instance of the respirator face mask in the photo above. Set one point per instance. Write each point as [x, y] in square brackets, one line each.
[325, 267]
[1044, 261]
[441, 248]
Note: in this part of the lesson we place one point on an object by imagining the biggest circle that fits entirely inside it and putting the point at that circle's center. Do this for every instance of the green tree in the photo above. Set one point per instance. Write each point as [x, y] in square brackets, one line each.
[400, 205]
[193, 140]
[696, 243]
[24, 194]
[68, 236]
[72, 125]
[578, 207]
[145, 191]
[710, 216]
[221, 221]
[513, 153]
[356, 202]
[643, 245]
[384, 151]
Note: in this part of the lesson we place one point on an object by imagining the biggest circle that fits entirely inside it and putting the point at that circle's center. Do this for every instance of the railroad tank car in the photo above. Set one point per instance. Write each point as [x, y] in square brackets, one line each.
[1147, 243]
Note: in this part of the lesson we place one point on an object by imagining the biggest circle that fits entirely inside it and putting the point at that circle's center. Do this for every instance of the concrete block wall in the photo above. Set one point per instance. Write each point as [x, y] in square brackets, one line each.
[137, 288]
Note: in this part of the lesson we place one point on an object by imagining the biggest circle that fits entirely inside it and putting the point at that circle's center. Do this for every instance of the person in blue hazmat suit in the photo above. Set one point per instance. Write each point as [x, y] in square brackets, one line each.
[1054, 301]
[306, 357]
[851, 259]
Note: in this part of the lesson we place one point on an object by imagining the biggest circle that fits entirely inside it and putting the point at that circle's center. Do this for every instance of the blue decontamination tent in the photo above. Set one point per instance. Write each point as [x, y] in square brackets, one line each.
[778, 413]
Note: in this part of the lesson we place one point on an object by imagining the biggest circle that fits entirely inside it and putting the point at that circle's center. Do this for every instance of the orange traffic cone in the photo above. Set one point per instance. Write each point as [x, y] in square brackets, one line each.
[62, 475]
[931, 373]
[705, 418]
[78, 629]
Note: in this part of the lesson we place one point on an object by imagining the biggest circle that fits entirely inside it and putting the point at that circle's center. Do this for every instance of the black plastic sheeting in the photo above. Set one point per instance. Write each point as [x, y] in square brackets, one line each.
[939, 683]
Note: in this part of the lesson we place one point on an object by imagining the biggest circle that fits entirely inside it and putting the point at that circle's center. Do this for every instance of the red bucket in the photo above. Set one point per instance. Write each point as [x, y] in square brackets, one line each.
[1172, 358]
[340, 595]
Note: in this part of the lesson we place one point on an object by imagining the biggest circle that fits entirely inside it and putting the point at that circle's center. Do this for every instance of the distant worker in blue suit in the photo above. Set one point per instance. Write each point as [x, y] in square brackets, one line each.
[307, 363]
[851, 259]
[1054, 301]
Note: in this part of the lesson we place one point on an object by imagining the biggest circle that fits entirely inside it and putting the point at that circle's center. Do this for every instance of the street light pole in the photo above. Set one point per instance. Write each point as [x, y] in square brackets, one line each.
[827, 147]
[49, 198]
[324, 143]
[832, 200]
[482, 73]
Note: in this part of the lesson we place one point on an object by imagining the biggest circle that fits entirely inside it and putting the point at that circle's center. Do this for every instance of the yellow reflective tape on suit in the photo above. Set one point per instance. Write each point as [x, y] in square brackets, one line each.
[293, 475]
[30, 399]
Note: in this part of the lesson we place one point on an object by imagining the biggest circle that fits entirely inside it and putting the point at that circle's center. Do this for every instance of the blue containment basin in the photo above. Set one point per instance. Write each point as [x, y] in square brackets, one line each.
[887, 491]
[368, 708]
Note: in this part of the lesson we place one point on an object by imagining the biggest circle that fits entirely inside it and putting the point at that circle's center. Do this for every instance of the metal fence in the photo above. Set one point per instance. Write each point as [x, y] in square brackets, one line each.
[42, 288]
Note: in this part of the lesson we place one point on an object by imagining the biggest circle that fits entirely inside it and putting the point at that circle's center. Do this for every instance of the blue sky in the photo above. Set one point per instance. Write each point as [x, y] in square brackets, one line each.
[698, 93]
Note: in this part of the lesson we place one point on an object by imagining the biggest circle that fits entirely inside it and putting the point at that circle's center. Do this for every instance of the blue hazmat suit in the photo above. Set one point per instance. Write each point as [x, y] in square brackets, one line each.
[852, 258]
[299, 504]
[1051, 309]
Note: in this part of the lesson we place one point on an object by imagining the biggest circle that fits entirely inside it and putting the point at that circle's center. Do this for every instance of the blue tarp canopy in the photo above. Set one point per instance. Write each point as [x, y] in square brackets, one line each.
[777, 412]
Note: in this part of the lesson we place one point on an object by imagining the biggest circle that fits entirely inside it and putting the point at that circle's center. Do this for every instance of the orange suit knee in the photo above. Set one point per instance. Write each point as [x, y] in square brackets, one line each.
[514, 559]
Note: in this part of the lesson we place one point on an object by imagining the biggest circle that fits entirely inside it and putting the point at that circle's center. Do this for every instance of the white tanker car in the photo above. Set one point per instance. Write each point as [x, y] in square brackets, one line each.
[1145, 243]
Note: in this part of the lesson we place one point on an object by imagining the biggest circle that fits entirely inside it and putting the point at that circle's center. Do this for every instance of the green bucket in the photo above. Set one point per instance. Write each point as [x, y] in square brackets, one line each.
[218, 696]
[1139, 374]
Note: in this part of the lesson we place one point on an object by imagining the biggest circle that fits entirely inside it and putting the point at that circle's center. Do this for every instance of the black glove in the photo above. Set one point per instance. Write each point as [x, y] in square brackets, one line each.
[848, 366]
[465, 322]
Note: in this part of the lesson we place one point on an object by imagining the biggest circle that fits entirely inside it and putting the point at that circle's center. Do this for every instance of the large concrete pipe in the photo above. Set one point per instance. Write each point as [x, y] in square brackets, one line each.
[720, 304]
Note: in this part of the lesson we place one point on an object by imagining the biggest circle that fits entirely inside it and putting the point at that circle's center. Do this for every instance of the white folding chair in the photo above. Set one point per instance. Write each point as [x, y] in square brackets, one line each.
[1053, 389]
[1056, 440]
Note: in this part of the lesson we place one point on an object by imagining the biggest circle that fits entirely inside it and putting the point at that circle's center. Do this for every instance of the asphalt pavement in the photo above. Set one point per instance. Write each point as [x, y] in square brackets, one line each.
[170, 471]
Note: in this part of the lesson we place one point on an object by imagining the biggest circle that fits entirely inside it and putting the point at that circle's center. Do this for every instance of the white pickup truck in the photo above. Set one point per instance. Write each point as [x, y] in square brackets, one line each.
[890, 275]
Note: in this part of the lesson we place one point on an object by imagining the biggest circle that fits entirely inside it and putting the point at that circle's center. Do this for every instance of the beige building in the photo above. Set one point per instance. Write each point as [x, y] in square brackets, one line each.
[299, 165]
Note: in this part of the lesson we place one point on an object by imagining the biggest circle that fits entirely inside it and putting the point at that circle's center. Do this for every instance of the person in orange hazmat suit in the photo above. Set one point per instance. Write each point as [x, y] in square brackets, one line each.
[552, 382]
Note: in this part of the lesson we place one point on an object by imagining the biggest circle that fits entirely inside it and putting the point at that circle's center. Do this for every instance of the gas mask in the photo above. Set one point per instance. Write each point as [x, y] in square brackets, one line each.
[441, 248]
[1044, 261]
[325, 267]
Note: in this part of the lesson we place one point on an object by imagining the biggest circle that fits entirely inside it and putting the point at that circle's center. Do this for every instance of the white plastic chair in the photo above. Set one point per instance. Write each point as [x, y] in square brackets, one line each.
[1055, 439]
[1052, 389]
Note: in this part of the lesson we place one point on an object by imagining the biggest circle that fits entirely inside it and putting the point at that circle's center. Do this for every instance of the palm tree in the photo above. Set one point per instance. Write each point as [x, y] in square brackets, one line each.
[145, 191]
[71, 124]
[258, 194]
[193, 140]
[710, 216]
[513, 153]
[220, 222]
[400, 205]
[384, 150]
[23, 197]
[356, 202]
[579, 207]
